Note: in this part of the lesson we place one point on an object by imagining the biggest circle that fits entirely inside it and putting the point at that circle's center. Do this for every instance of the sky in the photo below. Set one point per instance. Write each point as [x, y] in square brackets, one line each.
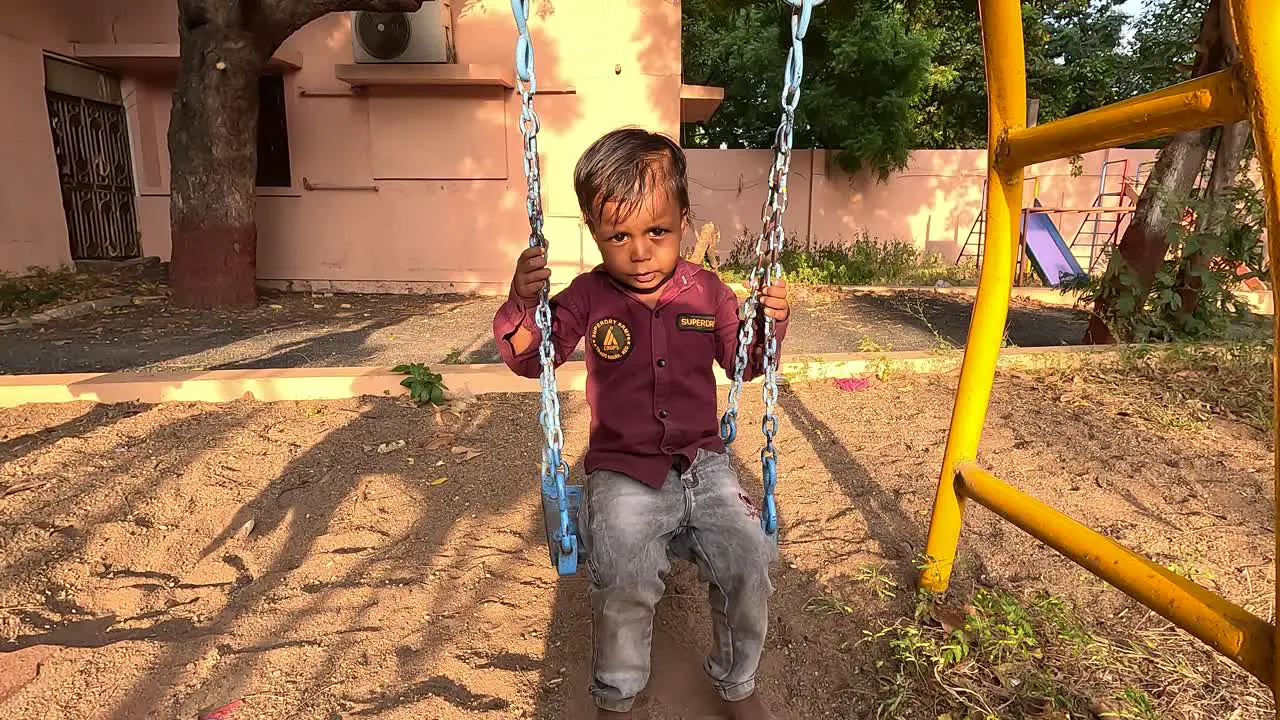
[1132, 7]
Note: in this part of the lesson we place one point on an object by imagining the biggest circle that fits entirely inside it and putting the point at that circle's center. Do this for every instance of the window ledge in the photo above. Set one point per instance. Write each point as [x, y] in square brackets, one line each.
[278, 191]
[159, 58]
[257, 191]
[423, 75]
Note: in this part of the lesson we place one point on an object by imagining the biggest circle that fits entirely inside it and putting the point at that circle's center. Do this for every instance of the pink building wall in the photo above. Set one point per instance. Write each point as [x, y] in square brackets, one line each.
[442, 198]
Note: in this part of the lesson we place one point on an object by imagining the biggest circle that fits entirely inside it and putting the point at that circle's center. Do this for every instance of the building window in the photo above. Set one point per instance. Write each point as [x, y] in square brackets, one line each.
[273, 134]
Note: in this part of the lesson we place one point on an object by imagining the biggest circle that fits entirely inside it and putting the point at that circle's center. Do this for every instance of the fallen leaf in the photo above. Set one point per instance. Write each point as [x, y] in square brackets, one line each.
[950, 618]
[440, 442]
[392, 446]
[247, 528]
[466, 453]
[61, 342]
[438, 481]
[1105, 710]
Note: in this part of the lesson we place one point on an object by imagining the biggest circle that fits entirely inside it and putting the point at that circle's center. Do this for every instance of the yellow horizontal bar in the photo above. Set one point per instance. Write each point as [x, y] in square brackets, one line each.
[1227, 628]
[1206, 101]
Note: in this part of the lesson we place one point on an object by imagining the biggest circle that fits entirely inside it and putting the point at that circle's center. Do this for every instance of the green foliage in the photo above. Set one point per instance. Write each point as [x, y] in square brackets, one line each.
[1158, 314]
[886, 76]
[18, 295]
[425, 387]
[883, 77]
[1161, 53]
[863, 261]
[863, 72]
[1074, 58]
[951, 112]
[1008, 656]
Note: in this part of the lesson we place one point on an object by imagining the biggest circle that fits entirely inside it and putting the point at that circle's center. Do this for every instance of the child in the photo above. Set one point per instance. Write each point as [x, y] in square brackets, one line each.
[658, 476]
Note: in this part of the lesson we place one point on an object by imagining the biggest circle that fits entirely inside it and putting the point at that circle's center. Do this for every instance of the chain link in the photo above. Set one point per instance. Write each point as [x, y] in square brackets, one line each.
[555, 471]
[768, 269]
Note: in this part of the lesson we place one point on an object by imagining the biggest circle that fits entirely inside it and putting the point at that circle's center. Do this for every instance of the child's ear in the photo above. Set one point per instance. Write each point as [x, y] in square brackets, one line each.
[684, 221]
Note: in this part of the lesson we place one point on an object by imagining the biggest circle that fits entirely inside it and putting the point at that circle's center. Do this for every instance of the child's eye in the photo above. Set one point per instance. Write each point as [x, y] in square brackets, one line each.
[658, 232]
[620, 237]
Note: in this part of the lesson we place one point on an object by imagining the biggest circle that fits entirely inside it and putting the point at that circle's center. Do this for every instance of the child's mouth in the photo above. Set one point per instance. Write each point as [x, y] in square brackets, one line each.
[644, 278]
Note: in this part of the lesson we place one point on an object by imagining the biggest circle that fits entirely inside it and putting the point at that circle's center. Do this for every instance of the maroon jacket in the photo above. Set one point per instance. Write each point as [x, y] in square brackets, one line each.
[650, 383]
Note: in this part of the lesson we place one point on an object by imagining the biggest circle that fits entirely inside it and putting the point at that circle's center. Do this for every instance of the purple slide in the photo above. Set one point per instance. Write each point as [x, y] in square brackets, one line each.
[1050, 256]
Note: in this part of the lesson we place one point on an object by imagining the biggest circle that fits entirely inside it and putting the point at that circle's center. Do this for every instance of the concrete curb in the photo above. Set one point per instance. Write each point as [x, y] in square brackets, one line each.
[64, 312]
[463, 380]
[1260, 301]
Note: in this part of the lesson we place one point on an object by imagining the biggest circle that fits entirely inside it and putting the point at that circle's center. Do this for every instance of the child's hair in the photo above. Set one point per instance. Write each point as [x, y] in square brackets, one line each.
[624, 167]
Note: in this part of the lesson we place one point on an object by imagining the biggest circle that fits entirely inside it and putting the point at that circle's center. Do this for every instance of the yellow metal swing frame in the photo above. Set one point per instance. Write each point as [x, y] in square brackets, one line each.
[1249, 89]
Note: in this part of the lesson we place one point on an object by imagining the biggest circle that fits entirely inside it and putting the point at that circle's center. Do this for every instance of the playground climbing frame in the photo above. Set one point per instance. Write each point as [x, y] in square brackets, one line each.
[1250, 88]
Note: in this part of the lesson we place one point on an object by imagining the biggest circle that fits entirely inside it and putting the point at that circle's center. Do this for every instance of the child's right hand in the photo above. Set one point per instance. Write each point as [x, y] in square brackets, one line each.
[531, 274]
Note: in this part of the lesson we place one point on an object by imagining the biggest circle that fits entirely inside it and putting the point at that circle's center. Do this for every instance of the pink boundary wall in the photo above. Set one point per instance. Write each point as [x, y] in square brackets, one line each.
[442, 199]
[931, 204]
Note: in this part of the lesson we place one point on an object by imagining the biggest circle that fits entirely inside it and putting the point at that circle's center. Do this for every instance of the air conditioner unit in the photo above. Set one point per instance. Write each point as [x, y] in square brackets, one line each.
[425, 36]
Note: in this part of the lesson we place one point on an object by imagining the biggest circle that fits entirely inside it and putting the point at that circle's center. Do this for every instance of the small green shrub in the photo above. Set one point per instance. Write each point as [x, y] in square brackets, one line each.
[424, 386]
[865, 260]
[18, 294]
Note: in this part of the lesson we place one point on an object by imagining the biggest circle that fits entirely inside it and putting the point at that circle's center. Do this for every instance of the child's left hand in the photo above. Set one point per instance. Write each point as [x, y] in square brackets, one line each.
[775, 302]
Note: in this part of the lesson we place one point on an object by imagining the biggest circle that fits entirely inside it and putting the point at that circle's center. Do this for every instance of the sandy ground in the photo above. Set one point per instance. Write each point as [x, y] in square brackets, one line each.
[157, 561]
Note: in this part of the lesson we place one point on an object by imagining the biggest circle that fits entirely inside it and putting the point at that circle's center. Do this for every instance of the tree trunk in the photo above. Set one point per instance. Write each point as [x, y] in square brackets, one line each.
[213, 150]
[1226, 167]
[704, 249]
[213, 154]
[1131, 269]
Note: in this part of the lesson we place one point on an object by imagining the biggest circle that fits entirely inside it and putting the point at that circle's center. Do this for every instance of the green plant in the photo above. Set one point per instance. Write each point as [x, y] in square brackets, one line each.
[874, 576]
[864, 260]
[829, 605]
[454, 357]
[1202, 267]
[1137, 705]
[1077, 165]
[424, 386]
[18, 294]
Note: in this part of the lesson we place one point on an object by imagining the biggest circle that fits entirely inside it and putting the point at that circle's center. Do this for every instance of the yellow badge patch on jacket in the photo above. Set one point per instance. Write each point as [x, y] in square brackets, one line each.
[610, 339]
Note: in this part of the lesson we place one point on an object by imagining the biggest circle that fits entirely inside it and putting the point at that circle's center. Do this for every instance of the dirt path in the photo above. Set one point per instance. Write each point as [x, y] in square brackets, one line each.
[414, 583]
[316, 331]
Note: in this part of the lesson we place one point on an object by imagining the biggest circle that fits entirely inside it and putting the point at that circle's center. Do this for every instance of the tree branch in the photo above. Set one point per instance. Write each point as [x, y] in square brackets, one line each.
[282, 18]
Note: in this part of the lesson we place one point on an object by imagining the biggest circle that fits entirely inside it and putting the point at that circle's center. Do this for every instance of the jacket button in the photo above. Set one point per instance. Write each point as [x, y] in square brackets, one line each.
[663, 414]
[662, 363]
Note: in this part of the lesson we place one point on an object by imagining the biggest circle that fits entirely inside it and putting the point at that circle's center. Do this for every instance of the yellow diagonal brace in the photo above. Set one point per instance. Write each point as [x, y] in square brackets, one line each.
[1227, 628]
[1207, 101]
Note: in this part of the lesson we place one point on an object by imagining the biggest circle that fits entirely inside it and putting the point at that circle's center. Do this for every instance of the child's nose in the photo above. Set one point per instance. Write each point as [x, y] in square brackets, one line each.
[641, 250]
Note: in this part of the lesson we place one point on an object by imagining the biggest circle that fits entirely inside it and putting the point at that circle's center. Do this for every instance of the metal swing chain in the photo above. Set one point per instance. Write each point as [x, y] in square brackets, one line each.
[554, 469]
[768, 268]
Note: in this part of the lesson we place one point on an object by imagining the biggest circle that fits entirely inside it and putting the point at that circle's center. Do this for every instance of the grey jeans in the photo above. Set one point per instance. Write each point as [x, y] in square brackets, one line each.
[631, 530]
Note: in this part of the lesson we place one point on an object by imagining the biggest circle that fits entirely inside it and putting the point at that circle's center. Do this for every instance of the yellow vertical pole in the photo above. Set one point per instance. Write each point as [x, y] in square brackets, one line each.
[1006, 109]
[1257, 24]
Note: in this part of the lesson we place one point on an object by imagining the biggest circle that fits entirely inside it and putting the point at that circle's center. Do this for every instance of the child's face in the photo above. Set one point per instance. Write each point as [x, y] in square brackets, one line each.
[641, 250]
